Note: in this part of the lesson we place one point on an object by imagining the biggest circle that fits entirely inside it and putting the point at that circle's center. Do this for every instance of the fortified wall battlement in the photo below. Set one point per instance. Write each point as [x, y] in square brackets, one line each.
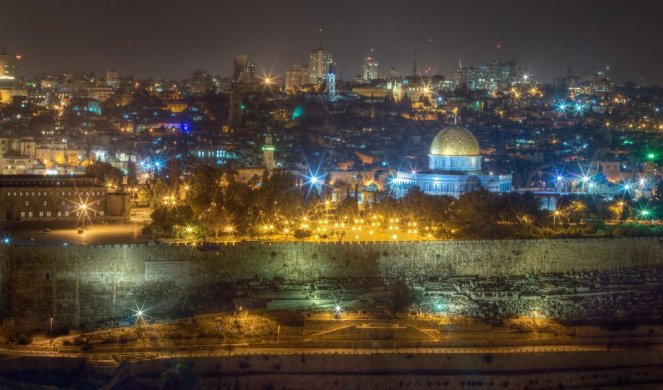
[86, 285]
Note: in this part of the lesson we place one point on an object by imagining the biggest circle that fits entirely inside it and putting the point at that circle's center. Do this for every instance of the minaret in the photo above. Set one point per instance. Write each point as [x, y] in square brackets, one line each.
[331, 83]
[268, 153]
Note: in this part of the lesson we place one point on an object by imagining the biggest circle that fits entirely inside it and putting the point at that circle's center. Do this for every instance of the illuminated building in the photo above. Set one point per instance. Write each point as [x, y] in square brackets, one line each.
[99, 93]
[216, 155]
[7, 69]
[201, 82]
[318, 65]
[331, 83]
[176, 105]
[454, 168]
[296, 77]
[244, 71]
[376, 90]
[370, 69]
[36, 197]
[112, 79]
[17, 165]
[491, 76]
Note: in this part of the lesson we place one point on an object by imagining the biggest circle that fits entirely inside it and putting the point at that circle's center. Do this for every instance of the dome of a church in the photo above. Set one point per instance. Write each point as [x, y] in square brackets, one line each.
[454, 141]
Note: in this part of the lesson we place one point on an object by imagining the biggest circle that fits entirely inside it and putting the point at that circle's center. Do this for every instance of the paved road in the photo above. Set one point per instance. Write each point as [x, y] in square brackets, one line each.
[243, 350]
[66, 232]
[61, 232]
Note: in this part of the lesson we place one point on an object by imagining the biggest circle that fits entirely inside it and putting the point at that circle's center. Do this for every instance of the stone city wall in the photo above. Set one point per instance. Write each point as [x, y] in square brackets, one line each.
[98, 284]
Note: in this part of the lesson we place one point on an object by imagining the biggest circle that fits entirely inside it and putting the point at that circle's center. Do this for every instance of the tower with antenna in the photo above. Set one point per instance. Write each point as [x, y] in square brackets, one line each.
[319, 61]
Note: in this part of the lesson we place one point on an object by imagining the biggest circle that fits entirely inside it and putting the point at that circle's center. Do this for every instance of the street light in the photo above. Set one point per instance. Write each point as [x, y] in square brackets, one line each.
[337, 311]
[82, 209]
[555, 215]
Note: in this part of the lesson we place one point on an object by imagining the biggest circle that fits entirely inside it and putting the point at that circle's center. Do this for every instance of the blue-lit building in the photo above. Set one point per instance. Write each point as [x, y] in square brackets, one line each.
[454, 168]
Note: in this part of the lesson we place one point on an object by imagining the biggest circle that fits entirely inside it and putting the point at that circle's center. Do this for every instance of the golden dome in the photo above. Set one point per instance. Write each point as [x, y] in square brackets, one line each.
[454, 141]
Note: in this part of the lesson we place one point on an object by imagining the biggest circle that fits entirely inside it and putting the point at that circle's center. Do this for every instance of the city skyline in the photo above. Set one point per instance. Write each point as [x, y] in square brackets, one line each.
[170, 40]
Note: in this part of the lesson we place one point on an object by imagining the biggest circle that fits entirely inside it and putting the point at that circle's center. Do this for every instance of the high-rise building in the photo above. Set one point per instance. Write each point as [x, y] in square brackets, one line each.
[112, 78]
[296, 77]
[201, 82]
[490, 76]
[318, 65]
[7, 69]
[244, 71]
[370, 69]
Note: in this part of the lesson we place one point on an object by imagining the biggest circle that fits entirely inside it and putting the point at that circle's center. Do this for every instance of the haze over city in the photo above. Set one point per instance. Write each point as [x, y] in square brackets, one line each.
[169, 39]
[331, 194]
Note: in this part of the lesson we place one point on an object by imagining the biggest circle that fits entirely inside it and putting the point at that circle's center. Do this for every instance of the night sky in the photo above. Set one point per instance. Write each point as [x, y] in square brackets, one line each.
[169, 39]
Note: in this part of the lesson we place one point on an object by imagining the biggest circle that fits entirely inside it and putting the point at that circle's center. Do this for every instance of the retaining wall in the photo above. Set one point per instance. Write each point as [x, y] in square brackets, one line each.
[79, 285]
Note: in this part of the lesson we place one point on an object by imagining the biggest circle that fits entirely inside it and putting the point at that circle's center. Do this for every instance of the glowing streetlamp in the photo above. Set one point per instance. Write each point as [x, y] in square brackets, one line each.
[83, 213]
[555, 216]
[644, 214]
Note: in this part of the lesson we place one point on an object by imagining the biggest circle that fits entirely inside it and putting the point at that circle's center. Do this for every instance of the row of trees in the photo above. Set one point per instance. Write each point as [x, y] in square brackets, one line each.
[214, 203]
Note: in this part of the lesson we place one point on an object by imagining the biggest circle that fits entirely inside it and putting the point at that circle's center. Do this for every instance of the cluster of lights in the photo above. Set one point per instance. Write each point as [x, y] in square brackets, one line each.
[169, 200]
[563, 107]
[324, 226]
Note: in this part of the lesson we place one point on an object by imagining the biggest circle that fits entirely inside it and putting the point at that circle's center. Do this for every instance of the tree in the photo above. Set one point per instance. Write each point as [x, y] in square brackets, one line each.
[164, 219]
[158, 191]
[132, 174]
[179, 377]
[403, 297]
[205, 188]
[106, 173]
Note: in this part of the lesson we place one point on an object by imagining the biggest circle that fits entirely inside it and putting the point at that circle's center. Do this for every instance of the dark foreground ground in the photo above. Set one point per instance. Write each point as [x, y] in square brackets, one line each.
[533, 368]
